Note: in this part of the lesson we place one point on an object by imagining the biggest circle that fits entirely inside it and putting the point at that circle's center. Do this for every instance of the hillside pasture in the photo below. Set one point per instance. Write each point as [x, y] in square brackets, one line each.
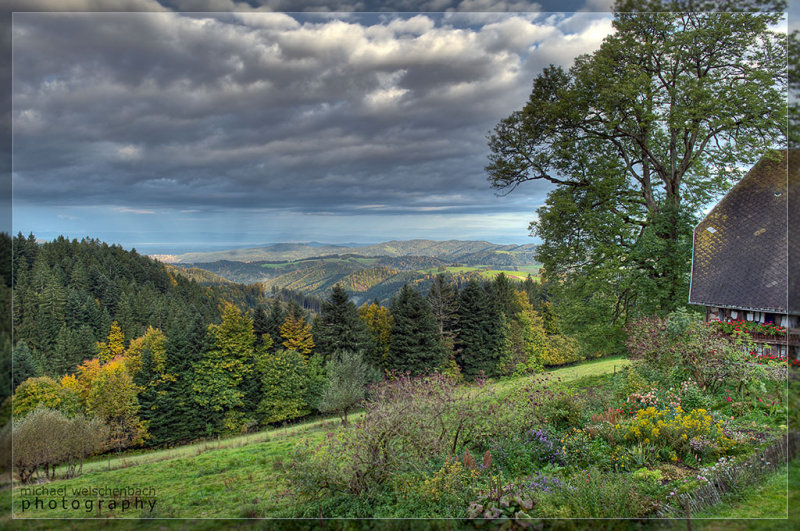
[237, 477]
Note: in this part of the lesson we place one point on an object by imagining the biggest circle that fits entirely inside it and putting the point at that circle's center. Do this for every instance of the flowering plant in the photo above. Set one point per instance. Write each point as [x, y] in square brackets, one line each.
[748, 327]
[694, 433]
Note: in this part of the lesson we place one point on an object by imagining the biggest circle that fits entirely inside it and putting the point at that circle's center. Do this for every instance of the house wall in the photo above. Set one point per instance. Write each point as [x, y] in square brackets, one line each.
[789, 346]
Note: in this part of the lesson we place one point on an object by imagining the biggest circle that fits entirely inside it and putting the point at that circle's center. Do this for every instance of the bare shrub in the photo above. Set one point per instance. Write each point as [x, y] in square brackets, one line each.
[45, 438]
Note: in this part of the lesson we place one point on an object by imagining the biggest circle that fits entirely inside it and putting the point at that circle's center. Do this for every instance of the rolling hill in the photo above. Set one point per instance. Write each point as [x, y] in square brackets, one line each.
[463, 252]
[367, 272]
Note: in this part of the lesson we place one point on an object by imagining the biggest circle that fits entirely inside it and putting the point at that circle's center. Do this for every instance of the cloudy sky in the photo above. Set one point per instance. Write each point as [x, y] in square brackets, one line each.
[171, 132]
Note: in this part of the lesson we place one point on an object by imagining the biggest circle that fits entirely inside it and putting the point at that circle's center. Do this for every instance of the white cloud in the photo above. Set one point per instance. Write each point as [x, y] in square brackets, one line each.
[128, 210]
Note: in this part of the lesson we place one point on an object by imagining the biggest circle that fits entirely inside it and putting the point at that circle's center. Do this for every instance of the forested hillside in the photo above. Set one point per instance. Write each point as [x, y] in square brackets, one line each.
[465, 252]
[364, 278]
[163, 354]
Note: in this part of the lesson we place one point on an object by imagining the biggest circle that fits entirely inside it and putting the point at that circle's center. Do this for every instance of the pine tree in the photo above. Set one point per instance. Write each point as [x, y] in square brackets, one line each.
[481, 331]
[415, 343]
[276, 318]
[168, 403]
[339, 327]
[443, 300]
[23, 364]
[503, 293]
[261, 324]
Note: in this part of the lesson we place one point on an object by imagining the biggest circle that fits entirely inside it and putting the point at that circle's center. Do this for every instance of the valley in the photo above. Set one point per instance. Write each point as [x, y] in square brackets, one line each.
[374, 272]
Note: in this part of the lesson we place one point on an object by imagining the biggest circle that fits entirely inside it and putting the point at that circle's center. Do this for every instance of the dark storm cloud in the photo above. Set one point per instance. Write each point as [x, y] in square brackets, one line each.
[316, 114]
[311, 5]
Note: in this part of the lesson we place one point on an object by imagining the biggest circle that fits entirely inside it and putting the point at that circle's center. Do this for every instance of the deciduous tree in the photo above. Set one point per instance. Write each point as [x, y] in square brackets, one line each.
[637, 138]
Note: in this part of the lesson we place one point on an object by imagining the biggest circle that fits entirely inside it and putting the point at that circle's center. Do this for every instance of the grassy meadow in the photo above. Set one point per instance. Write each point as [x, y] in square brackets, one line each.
[238, 477]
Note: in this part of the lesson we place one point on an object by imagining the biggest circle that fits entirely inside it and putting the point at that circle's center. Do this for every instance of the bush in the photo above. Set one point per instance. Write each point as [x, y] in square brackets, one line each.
[444, 494]
[562, 411]
[46, 438]
[522, 454]
[407, 423]
[677, 349]
[348, 375]
[580, 449]
[595, 494]
[560, 350]
[694, 433]
[46, 392]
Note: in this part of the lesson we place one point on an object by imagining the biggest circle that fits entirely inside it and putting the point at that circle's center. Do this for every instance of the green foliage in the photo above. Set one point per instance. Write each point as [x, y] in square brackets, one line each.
[407, 423]
[114, 346]
[168, 399]
[284, 380]
[317, 380]
[296, 333]
[415, 345]
[482, 332]
[794, 87]
[595, 494]
[46, 392]
[617, 230]
[379, 322]
[219, 374]
[23, 364]
[645, 474]
[562, 411]
[443, 300]
[348, 375]
[339, 327]
[560, 350]
[113, 399]
[67, 294]
[527, 339]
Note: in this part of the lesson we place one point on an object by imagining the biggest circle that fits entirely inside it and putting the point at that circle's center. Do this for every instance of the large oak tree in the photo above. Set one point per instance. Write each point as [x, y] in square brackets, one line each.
[638, 138]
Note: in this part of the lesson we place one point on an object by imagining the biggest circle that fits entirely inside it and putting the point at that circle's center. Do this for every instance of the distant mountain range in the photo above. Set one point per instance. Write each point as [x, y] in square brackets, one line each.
[467, 252]
[366, 272]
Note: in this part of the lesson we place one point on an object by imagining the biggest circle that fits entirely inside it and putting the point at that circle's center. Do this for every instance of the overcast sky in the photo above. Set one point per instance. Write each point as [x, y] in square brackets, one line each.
[171, 132]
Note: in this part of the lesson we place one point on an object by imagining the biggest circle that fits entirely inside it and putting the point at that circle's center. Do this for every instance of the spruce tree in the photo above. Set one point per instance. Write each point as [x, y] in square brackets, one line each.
[276, 318]
[481, 331]
[443, 300]
[23, 364]
[339, 327]
[261, 324]
[415, 345]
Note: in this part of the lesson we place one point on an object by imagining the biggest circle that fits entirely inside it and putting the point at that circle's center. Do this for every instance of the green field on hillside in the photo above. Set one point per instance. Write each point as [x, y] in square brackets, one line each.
[239, 477]
[521, 273]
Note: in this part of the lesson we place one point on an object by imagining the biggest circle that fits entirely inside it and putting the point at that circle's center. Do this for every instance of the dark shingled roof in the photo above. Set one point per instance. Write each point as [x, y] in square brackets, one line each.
[741, 249]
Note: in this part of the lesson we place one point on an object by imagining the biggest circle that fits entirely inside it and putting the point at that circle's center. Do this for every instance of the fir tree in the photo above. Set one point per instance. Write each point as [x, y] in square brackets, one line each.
[443, 300]
[339, 327]
[415, 343]
[481, 331]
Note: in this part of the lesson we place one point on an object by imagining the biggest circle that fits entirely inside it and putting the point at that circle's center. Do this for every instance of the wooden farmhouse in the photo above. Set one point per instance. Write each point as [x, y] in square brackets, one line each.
[746, 255]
